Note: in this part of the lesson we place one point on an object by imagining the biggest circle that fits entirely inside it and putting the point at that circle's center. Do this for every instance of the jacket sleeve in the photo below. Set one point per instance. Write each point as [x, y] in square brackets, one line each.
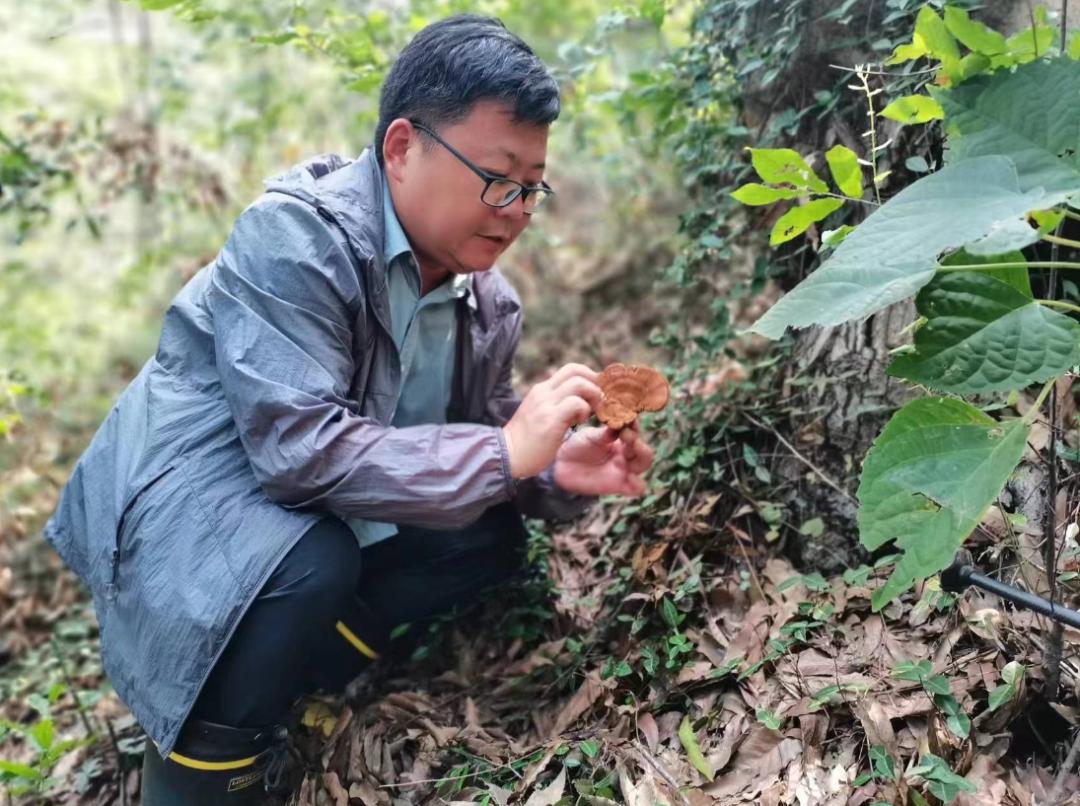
[285, 299]
[539, 496]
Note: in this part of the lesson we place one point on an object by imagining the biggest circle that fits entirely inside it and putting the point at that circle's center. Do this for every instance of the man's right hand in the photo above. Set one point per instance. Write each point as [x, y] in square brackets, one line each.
[536, 431]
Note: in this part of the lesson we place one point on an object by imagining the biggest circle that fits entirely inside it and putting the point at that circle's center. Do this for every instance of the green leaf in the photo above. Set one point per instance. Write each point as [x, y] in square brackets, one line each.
[907, 52]
[1031, 43]
[589, 748]
[797, 220]
[784, 166]
[882, 763]
[894, 252]
[159, 5]
[832, 238]
[973, 34]
[913, 109]
[19, 770]
[1031, 115]
[937, 684]
[846, 171]
[769, 719]
[1073, 46]
[1000, 696]
[693, 751]
[670, 613]
[1047, 220]
[942, 782]
[1016, 276]
[814, 527]
[983, 335]
[930, 30]
[927, 481]
[43, 733]
[1012, 674]
[754, 195]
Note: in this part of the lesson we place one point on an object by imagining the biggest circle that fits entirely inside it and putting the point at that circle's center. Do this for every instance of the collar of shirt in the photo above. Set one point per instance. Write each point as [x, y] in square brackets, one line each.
[396, 244]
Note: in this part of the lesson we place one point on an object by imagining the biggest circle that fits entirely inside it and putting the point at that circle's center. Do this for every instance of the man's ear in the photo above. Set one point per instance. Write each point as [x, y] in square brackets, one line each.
[398, 145]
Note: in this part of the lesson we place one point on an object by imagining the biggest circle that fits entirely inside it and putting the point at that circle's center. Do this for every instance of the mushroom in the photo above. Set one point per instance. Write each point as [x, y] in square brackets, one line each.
[627, 390]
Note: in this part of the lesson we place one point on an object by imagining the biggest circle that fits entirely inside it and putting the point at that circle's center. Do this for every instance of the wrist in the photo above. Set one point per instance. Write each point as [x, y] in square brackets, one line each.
[514, 461]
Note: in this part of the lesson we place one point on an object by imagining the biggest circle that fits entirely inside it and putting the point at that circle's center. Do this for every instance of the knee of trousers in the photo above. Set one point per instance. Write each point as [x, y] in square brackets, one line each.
[325, 565]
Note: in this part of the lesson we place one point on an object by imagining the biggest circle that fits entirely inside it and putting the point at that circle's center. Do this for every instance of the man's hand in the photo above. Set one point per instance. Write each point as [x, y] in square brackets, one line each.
[602, 461]
[535, 433]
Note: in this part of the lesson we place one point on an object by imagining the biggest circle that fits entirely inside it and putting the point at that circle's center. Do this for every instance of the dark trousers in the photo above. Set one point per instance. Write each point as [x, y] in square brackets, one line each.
[330, 606]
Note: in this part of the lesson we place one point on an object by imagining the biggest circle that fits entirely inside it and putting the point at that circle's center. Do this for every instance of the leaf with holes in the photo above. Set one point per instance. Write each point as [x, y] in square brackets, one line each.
[927, 481]
[798, 219]
[781, 166]
[913, 109]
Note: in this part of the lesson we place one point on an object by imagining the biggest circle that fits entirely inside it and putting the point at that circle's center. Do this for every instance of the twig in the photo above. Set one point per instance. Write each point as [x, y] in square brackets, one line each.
[663, 773]
[1063, 773]
[71, 687]
[750, 565]
[928, 70]
[801, 458]
[121, 780]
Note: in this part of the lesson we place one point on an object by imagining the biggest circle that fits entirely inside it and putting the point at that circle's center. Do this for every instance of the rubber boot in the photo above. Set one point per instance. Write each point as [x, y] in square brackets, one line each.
[216, 764]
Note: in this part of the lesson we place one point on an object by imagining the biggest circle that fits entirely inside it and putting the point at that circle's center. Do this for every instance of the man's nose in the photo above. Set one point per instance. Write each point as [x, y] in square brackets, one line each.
[515, 210]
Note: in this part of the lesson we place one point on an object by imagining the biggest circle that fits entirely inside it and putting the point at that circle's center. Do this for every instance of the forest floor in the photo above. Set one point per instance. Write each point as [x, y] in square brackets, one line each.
[682, 664]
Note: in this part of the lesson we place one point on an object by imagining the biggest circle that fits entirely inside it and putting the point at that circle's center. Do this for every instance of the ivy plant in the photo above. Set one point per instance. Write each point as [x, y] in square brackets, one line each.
[954, 240]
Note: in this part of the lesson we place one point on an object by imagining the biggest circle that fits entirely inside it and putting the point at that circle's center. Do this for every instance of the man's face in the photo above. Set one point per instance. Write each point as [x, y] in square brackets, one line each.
[437, 197]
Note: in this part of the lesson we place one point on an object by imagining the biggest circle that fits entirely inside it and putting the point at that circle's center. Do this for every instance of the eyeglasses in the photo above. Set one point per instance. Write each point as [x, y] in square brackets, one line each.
[498, 190]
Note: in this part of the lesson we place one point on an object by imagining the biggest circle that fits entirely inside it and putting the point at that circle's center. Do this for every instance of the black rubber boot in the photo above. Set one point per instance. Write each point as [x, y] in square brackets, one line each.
[214, 764]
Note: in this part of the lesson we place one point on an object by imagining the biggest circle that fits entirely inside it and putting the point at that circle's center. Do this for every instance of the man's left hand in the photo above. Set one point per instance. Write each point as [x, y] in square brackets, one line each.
[602, 461]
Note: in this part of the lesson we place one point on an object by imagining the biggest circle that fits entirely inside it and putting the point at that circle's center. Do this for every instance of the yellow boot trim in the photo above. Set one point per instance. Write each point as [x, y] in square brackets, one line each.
[354, 639]
[211, 766]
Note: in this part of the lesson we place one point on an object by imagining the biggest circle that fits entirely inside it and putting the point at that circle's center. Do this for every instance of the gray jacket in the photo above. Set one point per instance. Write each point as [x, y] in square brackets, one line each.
[267, 403]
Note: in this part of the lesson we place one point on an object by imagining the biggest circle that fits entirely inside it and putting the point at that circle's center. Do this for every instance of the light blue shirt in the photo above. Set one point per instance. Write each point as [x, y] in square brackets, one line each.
[424, 329]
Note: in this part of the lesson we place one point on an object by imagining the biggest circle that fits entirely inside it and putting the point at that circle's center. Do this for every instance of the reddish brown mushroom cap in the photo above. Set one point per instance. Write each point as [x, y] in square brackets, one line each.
[627, 390]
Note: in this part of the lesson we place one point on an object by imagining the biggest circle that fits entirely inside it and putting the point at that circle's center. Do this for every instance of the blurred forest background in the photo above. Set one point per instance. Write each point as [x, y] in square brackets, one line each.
[712, 642]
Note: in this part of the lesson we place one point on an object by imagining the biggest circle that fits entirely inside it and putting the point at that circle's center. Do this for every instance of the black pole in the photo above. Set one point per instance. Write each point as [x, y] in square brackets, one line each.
[962, 573]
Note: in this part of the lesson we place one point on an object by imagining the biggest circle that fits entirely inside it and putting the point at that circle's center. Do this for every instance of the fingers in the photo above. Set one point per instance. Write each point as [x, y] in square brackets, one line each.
[580, 387]
[635, 485]
[569, 371]
[573, 410]
[639, 456]
[642, 459]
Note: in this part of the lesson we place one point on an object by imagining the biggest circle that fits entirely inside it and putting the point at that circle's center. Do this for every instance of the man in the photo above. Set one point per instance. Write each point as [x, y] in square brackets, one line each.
[326, 443]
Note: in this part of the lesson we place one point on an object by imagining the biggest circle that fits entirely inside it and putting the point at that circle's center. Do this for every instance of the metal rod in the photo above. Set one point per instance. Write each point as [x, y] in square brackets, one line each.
[962, 573]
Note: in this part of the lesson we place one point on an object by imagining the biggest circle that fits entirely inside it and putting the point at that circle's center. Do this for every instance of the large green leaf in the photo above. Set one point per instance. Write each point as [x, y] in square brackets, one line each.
[894, 252]
[927, 481]
[983, 335]
[1031, 115]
